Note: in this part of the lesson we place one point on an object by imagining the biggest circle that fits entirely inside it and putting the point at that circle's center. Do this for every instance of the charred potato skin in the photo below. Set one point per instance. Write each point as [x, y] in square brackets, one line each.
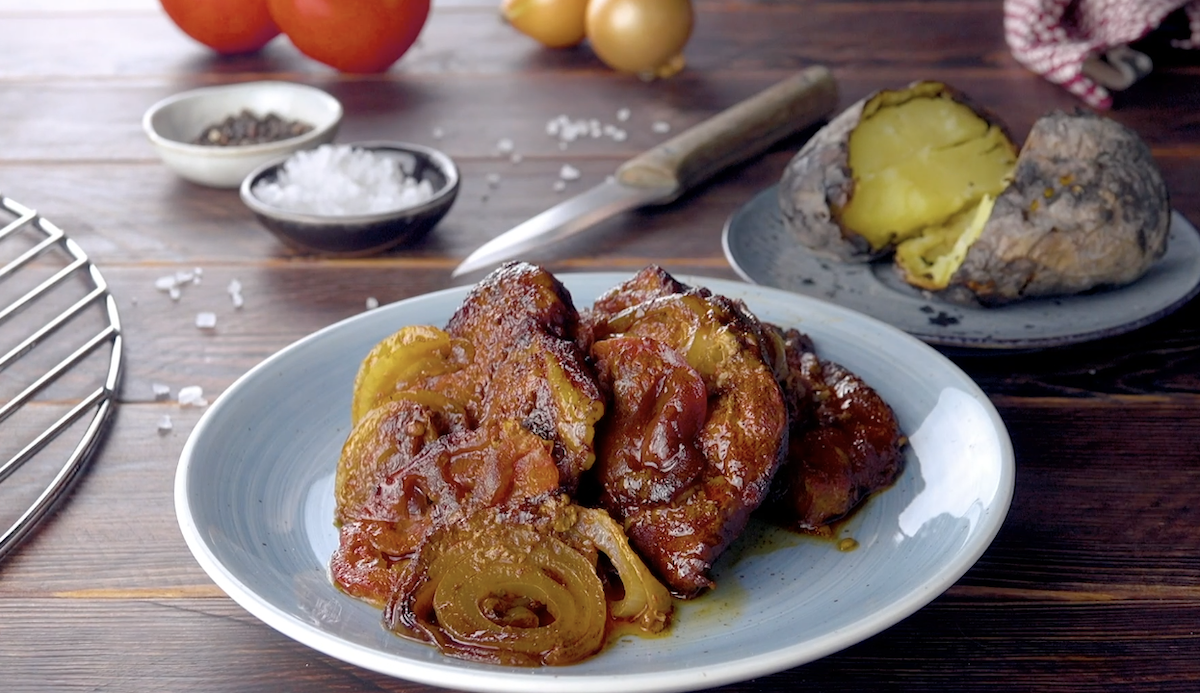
[1087, 208]
[818, 182]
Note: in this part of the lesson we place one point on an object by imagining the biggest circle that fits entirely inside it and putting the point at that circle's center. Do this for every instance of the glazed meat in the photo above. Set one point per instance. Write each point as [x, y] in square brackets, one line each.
[452, 488]
[451, 421]
[697, 425]
[844, 444]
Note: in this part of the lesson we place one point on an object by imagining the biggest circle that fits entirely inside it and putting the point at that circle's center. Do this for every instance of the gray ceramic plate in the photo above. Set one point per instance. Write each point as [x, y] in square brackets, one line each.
[254, 499]
[762, 251]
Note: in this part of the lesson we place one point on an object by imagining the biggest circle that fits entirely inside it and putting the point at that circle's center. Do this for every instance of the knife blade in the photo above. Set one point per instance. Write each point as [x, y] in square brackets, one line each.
[660, 175]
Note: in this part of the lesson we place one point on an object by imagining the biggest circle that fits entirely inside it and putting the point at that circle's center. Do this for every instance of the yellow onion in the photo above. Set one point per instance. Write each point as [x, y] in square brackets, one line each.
[553, 23]
[646, 602]
[504, 593]
[645, 37]
[402, 361]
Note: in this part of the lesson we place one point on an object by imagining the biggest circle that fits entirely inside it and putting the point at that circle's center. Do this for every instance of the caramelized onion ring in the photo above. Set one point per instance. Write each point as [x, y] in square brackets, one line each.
[647, 602]
[404, 360]
[505, 594]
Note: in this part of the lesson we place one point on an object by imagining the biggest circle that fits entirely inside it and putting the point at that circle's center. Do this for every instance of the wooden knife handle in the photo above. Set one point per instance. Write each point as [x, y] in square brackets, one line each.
[734, 135]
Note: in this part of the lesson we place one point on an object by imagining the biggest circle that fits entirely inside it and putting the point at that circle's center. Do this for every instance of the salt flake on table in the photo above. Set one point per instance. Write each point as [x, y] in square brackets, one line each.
[661, 127]
[568, 172]
[505, 146]
[206, 320]
[372, 303]
[161, 392]
[623, 114]
[166, 283]
[164, 424]
[192, 396]
[560, 185]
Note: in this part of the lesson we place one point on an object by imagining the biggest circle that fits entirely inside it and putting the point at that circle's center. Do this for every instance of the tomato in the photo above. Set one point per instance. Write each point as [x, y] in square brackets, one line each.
[226, 26]
[352, 35]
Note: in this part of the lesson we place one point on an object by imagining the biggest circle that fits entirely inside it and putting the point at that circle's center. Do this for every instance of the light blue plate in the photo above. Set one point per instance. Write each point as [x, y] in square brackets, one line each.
[254, 498]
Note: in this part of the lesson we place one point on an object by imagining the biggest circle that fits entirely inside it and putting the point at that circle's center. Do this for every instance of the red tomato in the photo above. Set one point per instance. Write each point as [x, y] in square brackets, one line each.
[352, 35]
[226, 26]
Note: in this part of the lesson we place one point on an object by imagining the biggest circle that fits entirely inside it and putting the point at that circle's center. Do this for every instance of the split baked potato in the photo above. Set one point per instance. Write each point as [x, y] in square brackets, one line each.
[926, 177]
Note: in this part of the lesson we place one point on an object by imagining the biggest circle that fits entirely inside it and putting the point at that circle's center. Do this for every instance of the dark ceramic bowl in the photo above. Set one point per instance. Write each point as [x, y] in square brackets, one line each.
[362, 234]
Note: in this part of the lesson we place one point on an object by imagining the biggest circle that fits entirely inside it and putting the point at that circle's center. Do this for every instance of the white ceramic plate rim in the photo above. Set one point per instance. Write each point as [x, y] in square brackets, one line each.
[475, 678]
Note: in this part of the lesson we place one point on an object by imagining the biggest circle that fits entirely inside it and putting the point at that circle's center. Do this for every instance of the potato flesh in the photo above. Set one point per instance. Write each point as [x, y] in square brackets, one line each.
[918, 163]
[929, 260]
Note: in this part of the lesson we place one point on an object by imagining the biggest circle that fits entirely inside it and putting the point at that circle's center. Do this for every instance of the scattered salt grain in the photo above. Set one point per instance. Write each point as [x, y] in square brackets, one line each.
[493, 180]
[661, 127]
[567, 130]
[516, 158]
[206, 320]
[505, 146]
[161, 392]
[568, 172]
[234, 289]
[174, 293]
[165, 283]
[339, 180]
[165, 425]
[560, 185]
[192, 396]
[438, 133]
[372, 303]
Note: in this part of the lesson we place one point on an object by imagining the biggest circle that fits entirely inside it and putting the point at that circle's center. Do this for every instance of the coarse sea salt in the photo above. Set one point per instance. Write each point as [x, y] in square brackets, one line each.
[341, 180]
[192, 396]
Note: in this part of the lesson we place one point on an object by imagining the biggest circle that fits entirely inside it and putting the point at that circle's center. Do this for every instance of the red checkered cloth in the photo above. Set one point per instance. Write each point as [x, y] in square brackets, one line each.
[1055, 38]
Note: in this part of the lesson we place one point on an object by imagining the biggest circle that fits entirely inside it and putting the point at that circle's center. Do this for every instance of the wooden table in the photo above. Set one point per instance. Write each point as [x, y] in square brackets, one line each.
[1092, 584]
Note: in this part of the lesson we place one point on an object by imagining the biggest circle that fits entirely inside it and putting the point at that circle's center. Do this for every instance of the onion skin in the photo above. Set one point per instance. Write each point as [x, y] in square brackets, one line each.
[643, 37]
[552, 23]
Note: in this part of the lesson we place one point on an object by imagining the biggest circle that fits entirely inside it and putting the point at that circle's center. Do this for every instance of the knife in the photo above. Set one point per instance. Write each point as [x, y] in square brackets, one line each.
[660, 175]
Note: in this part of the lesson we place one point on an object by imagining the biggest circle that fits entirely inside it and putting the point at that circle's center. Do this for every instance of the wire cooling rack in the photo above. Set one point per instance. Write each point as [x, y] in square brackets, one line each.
[60, 366]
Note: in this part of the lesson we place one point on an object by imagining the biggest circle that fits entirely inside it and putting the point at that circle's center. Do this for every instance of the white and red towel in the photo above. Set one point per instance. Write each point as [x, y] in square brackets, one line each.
[1057, 38]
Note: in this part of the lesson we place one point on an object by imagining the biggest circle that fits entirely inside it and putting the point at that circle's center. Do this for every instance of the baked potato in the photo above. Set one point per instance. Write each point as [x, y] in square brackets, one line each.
[924, 176]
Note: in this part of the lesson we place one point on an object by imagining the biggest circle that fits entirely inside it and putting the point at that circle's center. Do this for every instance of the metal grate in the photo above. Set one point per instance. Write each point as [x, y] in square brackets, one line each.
[60, 365]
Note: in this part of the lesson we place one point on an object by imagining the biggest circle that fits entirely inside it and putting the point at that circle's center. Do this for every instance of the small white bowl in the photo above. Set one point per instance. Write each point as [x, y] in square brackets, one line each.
[173, 123]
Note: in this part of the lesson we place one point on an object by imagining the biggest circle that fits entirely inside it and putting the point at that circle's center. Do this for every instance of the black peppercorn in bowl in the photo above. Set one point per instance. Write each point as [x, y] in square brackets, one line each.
[216, 136]
[353, 199]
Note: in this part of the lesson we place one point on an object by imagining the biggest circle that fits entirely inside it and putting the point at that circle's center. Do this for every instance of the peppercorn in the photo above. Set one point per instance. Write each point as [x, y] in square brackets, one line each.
[249, 128]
